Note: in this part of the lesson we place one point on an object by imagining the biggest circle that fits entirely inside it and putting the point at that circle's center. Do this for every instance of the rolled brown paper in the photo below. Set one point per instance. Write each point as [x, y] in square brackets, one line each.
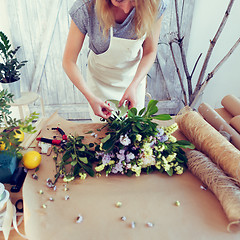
[214, 119]
[231, 104]
[235, 122]
[209, 141]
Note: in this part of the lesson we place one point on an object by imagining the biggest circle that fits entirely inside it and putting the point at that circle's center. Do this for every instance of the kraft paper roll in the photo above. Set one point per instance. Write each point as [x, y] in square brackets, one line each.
[209, 141]
[226, 191]
[231, 104]
[235, 123]
[214, 119]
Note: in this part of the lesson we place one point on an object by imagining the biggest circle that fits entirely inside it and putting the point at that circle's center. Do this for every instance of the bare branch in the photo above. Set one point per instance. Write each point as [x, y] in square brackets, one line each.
[179, 74]
[210, 75]
[183, 55]
[212, 44]
[195, 65]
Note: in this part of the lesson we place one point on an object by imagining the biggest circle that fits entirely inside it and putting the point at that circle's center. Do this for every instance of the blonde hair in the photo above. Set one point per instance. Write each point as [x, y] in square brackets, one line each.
[145, 16]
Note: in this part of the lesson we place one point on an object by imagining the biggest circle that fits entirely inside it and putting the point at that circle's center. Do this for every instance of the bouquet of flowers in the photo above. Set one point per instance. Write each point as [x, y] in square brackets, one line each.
[135, 144]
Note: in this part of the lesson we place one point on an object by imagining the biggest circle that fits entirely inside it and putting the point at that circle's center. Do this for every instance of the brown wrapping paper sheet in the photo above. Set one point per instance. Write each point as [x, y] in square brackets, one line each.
[214, 119]
[232, 104]
[148, 198]
[235, 123]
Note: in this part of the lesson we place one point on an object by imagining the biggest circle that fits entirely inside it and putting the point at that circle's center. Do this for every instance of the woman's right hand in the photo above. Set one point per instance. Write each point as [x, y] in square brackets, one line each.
[100, 108]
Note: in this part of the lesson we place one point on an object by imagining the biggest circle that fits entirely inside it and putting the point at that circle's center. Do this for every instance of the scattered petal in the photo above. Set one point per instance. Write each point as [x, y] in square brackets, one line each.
[203, 188]
[118, 204]
[133, 224]
[40, 191]
[123, 218]
[35, 176]
[149, 224]
[79, 218]
[67, 197]
[177, 203]
[51, 199]
[44, 206]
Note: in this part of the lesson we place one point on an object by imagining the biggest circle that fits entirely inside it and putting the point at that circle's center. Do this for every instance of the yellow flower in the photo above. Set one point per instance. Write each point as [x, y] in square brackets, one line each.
[158, 165]
[147, 149]
[111, 162]
[171, 157]
[99, 168]
[179, 170]
[172, 139]
[137, 170]
[171, 129]
[68, 179]
[138, 137]
[100, 146]
[166, 167]
[83, 175]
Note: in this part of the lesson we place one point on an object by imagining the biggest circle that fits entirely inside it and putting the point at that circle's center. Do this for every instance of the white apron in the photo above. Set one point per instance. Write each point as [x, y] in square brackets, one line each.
[110, 73]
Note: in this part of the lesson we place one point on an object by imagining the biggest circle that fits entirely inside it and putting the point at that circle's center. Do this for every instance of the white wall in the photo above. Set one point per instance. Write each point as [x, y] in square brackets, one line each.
[208, 15]
[4, 21]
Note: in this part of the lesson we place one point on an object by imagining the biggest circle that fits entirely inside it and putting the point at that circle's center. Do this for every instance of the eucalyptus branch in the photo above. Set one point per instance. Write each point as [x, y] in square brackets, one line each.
[210, 75]
[179, 74]
[212, 44]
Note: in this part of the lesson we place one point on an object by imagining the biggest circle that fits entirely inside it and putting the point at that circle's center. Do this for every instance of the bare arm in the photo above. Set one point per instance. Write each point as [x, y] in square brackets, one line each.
[149, 54]
[72, 49]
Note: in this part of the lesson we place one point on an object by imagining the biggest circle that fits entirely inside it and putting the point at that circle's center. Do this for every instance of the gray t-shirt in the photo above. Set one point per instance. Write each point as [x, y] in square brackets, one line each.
[84, 16]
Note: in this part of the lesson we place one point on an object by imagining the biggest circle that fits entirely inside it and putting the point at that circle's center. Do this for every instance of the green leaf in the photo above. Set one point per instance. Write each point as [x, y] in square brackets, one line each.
[66, 155]
[88, 169]
[132, 112]
[106, 138]
[73, 163]
[141, 112]
[123, 109]
[162, 117]
[153, 110]
[82, 149]
[170, 172]
[84, 160]
[184, 144]
[89, 132]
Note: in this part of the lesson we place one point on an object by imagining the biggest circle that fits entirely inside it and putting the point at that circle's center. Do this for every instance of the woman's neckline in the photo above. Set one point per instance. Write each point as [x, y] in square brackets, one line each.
[119, 15]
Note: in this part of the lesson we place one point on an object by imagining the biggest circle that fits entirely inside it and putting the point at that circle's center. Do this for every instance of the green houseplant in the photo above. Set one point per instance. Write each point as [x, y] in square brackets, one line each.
[10, 66]
[11, 135]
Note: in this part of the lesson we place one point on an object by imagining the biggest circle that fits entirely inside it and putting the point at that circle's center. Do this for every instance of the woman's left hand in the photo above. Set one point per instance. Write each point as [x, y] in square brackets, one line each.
[129, 98]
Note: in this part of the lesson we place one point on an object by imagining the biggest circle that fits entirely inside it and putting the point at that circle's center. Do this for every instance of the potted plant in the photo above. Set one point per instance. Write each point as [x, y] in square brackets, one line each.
[11, 136]
[10, 67]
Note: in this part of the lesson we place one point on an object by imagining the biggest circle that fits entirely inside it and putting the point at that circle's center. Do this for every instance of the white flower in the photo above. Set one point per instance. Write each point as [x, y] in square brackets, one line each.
[148, 160]
[125, 140]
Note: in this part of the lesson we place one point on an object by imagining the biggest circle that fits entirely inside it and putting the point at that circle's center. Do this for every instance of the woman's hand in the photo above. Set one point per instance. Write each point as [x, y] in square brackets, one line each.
[100, 108]
[129, 97]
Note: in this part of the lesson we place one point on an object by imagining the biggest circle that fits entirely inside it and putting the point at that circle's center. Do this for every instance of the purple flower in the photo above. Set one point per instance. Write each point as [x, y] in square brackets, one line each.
[160, 132]
[106, 158]
[125, 140]
[121, 155]
[129, 157]
[163, 138]
[117, 168]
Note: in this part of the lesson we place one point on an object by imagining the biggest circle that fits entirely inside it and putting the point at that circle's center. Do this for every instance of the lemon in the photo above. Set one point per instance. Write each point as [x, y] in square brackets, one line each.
[31, 159]
[18, 134]
[2, 146]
